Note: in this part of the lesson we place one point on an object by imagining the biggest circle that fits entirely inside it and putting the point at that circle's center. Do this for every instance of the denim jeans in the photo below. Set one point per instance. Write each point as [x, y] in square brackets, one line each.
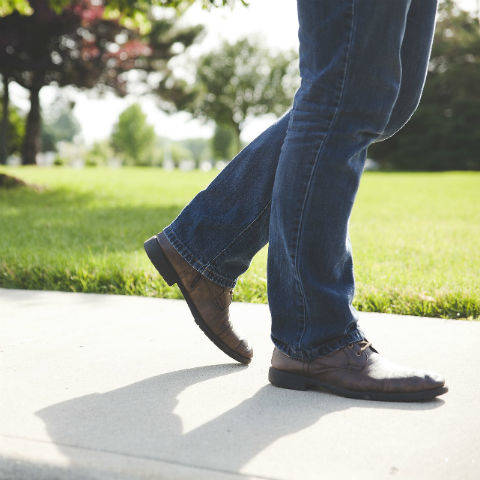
[363, 65]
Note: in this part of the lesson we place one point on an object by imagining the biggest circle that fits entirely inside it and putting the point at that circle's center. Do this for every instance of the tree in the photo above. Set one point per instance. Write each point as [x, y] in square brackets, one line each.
[444, 133]
[60, 125]
[133, 138]
[234, 82]
[75, 47]
[81, 46]
[223, 142]
[99, 154]
[166, 40]
[14, 130]
[4, 125]
[177, 153]
[198, 148]
[130, 8]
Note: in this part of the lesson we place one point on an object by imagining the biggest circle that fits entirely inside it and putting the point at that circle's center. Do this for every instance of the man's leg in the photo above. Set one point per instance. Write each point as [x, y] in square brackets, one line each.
[222, 228]
[232, 213]
[233, 233]
[225, 225]
[416, 49]
[350, 63]
[351, 69]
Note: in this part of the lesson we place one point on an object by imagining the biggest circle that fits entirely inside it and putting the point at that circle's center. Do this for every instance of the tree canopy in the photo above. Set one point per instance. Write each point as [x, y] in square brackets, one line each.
[130, 8]
[133, 137]
[60, 124]
[233, 82]
[83, 47]
[75, 47]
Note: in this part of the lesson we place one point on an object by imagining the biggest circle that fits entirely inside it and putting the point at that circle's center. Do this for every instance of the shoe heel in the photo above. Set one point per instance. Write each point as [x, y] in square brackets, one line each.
[160, 262]
[283, 379]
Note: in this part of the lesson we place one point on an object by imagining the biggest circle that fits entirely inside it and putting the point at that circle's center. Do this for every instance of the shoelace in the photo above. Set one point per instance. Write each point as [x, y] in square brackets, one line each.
[365, 345]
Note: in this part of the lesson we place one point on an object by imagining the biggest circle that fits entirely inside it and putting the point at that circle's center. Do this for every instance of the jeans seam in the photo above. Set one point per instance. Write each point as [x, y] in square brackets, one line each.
[262, 211]
[301, 331]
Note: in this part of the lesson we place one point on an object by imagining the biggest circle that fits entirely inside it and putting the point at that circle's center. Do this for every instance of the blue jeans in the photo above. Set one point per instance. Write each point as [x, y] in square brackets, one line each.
[363, 65]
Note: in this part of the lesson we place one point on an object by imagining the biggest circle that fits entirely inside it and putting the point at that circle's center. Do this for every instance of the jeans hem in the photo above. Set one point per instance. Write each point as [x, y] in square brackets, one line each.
[205, 269]
[308, 355]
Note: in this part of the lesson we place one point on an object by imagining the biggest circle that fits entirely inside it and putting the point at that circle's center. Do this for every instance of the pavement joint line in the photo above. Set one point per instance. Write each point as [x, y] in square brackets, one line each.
[143, 457]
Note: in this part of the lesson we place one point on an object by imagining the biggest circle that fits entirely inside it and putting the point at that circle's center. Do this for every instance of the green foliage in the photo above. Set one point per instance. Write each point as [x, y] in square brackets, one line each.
[416, 248]
[15, 130]
[178, 153]
[444, 133]
[166, 39]
[133, 138]
[60, 125]
[59, 161]
[173, 152]
[236, 81]
[80, 45]
[9, 6]
[199, 147]
[135, 10]
[99, 154]
[224, 144]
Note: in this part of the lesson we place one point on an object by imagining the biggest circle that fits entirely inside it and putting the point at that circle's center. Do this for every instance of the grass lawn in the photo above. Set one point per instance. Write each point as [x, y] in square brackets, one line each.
[416, 236]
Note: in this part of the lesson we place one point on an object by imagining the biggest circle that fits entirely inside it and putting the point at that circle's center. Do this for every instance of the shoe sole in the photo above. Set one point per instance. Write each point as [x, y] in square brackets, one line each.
[292, 381]
[167, 271]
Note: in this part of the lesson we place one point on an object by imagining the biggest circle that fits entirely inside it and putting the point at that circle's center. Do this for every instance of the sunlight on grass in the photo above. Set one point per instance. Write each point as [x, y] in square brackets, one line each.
[416, 236]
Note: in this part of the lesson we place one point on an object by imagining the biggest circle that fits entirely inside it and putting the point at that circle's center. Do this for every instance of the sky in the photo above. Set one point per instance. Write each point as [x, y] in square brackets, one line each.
[275, 21]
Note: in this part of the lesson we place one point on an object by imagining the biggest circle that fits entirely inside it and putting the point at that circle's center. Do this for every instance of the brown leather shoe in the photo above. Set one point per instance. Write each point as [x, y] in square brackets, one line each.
[208, 301]
[356, 371]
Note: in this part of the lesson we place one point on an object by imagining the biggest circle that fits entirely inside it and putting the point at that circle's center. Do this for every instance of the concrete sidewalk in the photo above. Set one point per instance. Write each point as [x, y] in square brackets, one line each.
[111, 387]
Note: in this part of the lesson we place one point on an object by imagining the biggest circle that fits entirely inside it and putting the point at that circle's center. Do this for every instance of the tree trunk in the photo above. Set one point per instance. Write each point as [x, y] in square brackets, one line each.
[31, 141]
[4, 123]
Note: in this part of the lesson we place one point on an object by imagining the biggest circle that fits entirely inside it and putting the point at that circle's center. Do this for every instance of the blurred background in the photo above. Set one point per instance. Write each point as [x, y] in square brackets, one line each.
[200, 84]
[91, 91]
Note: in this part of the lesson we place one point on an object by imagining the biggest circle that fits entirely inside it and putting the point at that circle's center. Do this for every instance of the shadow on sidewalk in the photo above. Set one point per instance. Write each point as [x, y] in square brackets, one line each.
[139, 420]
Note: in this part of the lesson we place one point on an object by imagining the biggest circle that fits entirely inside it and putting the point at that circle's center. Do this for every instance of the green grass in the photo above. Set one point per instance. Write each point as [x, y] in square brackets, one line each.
[416, 236]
